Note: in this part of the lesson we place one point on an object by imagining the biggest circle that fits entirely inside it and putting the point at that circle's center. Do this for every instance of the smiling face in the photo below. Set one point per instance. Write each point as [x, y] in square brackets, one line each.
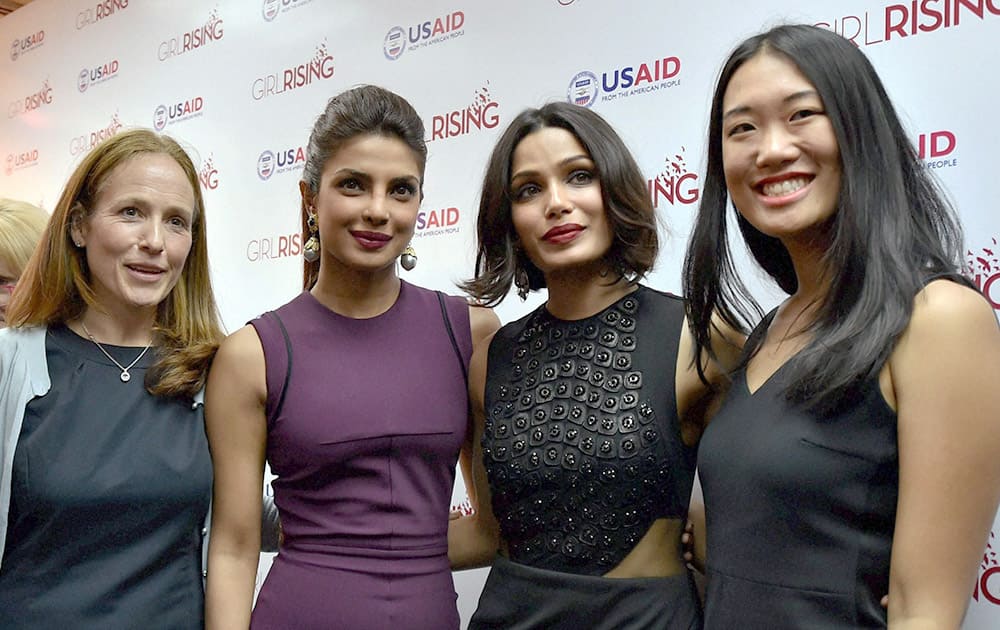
[367, 203]
[557, 205]
[779, 150]
[138, 234]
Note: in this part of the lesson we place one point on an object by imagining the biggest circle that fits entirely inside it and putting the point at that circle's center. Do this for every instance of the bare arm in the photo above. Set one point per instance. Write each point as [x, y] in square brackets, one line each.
[944, 374]
[473, 539]
[697, 402]
[237, 432]
[483, 322]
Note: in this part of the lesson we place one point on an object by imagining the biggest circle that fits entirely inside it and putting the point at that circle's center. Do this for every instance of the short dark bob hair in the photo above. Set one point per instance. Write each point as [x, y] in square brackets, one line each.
[500, 261]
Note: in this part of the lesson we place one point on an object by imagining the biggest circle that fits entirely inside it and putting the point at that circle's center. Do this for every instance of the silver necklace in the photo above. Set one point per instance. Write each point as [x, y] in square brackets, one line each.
[125, 376]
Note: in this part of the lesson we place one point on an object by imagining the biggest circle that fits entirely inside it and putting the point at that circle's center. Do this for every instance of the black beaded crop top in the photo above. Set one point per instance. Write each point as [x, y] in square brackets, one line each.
[581, 441]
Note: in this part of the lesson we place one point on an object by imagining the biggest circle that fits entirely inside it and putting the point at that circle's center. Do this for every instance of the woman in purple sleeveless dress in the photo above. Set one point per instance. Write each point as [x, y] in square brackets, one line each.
[355, 393]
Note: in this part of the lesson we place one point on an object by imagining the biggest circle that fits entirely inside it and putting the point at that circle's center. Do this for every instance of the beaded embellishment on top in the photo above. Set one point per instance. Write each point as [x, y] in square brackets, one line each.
[573, 452]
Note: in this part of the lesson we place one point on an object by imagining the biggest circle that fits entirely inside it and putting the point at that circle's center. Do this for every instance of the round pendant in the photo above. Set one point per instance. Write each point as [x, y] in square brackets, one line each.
[126, 376]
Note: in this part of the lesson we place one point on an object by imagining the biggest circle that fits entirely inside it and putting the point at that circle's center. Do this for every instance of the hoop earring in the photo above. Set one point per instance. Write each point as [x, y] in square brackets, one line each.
[408, 259]
[310, 251]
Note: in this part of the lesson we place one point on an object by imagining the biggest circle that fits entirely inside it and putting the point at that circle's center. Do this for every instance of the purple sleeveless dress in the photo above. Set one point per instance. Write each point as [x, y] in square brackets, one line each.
[364, 447]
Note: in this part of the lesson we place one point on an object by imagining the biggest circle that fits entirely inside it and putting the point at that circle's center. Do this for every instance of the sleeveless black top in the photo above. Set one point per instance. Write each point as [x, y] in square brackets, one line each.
[800, 509]
[581, 442]
[110, 490]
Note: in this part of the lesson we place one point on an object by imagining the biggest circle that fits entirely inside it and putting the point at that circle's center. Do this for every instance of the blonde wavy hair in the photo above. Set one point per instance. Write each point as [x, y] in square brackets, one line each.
[21, 227]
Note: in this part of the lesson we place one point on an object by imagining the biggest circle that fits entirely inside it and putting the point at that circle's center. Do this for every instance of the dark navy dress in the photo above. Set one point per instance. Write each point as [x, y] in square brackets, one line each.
[110, 491]
[800, 509]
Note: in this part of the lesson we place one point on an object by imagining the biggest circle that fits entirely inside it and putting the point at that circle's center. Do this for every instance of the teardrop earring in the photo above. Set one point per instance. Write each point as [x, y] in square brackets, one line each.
[409, 258]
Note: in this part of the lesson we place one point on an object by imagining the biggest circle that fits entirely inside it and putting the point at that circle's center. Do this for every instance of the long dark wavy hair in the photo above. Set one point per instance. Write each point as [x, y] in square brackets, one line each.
[893, 229]
[500, 261]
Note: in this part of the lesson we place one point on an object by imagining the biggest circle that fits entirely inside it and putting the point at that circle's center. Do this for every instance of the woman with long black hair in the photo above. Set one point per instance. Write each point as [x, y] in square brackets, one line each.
[853, 427]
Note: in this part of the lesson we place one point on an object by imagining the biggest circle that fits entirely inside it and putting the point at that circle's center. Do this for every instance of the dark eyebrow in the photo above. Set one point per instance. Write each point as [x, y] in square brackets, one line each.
[413, 179]
[405, 179]
[795, 96]
[564, 162]
[353, 173]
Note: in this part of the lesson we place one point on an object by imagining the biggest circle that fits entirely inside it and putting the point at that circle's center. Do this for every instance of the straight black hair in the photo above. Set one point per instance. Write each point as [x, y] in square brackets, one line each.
[892, 231]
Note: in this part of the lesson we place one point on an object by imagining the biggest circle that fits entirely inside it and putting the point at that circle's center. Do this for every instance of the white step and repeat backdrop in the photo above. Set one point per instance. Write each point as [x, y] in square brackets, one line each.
[240, 82]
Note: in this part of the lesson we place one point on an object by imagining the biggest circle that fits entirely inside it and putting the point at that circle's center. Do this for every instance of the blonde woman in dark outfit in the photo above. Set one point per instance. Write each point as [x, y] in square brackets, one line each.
[106, 477]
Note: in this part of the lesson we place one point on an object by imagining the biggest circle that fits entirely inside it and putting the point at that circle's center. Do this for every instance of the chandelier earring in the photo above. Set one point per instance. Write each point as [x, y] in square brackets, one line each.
[521, 282]
[310, 251]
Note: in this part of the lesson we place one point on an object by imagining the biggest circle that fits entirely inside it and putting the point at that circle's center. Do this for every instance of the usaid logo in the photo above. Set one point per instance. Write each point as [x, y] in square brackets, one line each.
[20, 46]
[422, 34]
[282, 161]
[583, 89]
[437, 222]
[160, 118]
[24, 159]
[173, 113]
[97, 74]
[265, 165]
[936, 149]
[270, 9]
[395, 43]
[626, 81]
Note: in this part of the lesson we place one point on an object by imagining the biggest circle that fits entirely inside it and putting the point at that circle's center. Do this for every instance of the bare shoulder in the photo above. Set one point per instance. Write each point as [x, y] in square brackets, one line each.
[477, 367]
[241, 346]
[952, 327]
[239, 368]
[481, 350]
[945, 310]
[483, 321]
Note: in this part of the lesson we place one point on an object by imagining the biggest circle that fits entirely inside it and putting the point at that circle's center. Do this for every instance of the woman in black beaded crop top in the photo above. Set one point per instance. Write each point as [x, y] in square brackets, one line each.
[588, 410]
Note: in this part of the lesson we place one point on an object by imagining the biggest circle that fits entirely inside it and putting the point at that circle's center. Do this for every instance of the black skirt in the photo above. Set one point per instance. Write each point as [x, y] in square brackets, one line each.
[519, 597]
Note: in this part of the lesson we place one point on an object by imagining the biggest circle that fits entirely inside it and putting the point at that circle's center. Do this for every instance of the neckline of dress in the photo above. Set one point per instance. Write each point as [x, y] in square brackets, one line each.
[387, 313]
[548, 316]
